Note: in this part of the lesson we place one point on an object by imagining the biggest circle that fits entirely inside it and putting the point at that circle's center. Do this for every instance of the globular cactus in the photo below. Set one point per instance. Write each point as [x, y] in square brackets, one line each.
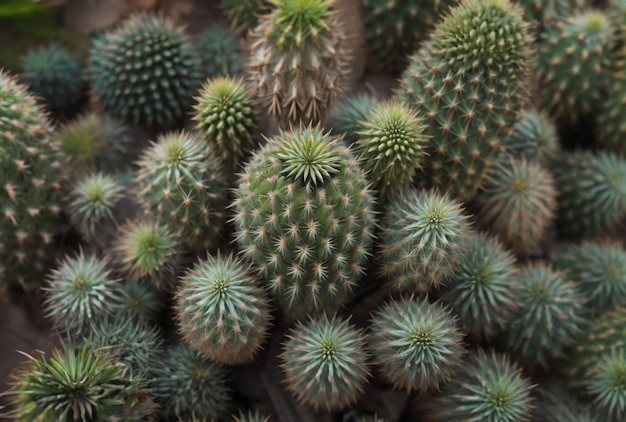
[345, 116]
[421, 240]
[140, 302]
[534, 137]
[189, 387]
[244, 14]
[222, 311]
[610, 126]
[297, 60]
[416, 345]
[227, 118]
[31, 174]
[606, 387]
[183, 185]
[468, 81]
[250, 417]
[145, 71]
[325, 363]
[554, 403]
[219, 52]
[52, 74]
[517, 202]
[304, 217]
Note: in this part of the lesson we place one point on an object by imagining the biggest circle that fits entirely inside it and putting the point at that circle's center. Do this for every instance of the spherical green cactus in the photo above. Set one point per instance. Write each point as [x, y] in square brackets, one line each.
[54, 75]
[390, 147]
[189, 387]
[222, 310]
[421, 237]
[81, 289]
[227, 118]
[549, 317]
[325, 363]
[346, 115]
[183, 184]
[144, 71]
[250, 417]
[482, 290]
[31, 174]
[488, 388]
[592, 192]
[554, 403]
[140, 301]
[416, 345]
[304, 217]
[468, 81]
[219, 52]
[517, 202]
[298, 60]
[534, 137]
[606, 386]
[573, 63]
[244, 14]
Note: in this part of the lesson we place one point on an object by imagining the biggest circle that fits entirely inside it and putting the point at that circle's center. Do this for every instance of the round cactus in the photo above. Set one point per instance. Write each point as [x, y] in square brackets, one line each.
[421, 236]
[54, 75]
[227, 118]
[324, 362]
[244, 14]
[222, 311]
[416, 345]
[610, 127]
[145, 71]
[250, 417]
[556, 404]
[219, 52]
[189, 387]
[183, 184]
[534, 137]
[606, 387]
[140, 301]
[304, 217]
[345, 116]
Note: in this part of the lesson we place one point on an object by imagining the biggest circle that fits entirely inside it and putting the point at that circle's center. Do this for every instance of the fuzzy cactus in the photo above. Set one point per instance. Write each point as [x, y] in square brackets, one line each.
[416, 345]
[304, 217]
[219, 52]
[517, 202]
[534, 137]
[468, 80]
[244, 14]
[227, 118]
[144, 71]
[421, 237]
[325, 363]
[298, 59]
[346, 115]
[222, 311]
[183, 184]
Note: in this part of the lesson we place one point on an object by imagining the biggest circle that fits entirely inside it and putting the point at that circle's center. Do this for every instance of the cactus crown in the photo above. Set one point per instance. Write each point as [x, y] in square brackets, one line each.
[298, 22]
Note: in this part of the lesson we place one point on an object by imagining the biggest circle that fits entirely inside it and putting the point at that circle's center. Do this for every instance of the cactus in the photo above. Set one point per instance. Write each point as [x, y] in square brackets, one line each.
[304, 217]
[30, 179]
[390, 147]
[227, 118]
[606, 387]
[222, 312]
[244, 14]
[468, 81]
[324, 362]
[610, 126]
[54, 75]
[534, 137]
[145, 71]
[183, 184]
[556, 404]
[140, 302]
[421, 238]
[219, 52]
[482, 290]
[188, 386]
[416, 345]
[250, 417]
[298, 59]
[517, 203]
[346, 115]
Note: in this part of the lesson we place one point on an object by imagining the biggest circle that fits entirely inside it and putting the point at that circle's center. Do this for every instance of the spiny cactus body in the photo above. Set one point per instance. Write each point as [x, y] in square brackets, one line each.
[346, 115]
[219, 52]
[534, 137]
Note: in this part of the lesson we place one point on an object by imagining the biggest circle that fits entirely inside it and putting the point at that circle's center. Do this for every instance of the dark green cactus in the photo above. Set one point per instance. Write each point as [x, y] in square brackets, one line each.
[534, 137]
[346, 115]
[244, 14]
[219, 52]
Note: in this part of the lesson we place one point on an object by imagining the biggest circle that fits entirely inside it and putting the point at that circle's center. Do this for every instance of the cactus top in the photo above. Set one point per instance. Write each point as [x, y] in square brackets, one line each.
[299, 22]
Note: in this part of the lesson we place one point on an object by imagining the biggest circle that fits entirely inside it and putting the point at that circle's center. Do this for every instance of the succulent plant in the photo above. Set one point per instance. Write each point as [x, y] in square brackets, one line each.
[183, 184]
[346, 115]
[554, 403]
[390, 147]
[606, 386]
[227, 118]
[144, 71]
[297, 60]
[188, 386]
[250, 416]
[140, 301]
[488, 388]
[244, 14]
[325, 363]
[534, 137]
[517, 202]
[482, 290]
[549, 316]
[304, 217]
[470, 96]
[610, 127]
[222, 310]
[52, 74]
[416, 345]
[421, 238]
[219, 52]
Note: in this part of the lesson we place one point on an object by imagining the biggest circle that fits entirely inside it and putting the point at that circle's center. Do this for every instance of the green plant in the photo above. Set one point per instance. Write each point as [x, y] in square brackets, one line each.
[227, 118]
[244, 14]
[183, 184]
[144, 71]
[606, 386]
[416, 345]
[421, 237]
[554, 403]
[304, 217]
[222, 311]
[250, 417]
[345, 116]
[468, 81]
[219, 52]
[298, 59]
[534, 137]
[325, 363]
[140, 301]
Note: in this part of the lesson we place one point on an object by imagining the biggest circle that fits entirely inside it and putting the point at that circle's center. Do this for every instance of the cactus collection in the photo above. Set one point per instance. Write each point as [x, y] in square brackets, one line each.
[225, 223]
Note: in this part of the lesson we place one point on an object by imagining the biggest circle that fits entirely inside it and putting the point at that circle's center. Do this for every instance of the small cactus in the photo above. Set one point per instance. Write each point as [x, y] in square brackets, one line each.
[606, 387]
[346, 116]
[534, 137]
[220, 55]
[244, 14]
